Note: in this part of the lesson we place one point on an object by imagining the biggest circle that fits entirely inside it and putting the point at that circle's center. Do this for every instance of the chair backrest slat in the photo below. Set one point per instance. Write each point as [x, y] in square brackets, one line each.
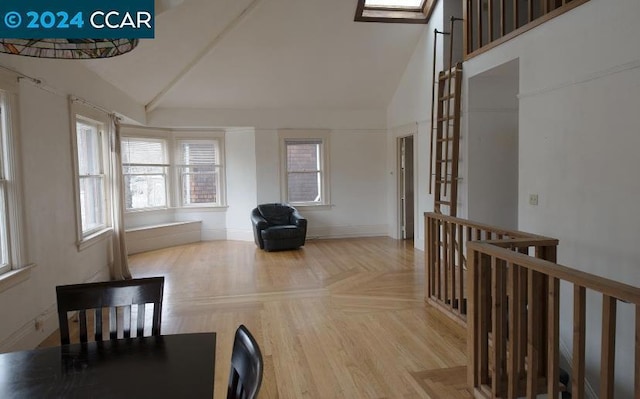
[98, 324]
[140, 323]
[246, 366]
[112, 295]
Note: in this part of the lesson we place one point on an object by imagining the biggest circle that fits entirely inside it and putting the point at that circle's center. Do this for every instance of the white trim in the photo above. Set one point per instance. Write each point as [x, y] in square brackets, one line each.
[320, 232]
[15, 277]
[94, 238]
[566, 354]
[13, 175]
[78, 110]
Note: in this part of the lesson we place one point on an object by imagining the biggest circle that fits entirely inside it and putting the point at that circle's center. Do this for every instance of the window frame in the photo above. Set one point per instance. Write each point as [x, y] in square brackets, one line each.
[406, 15]
[84, 114]
[297, 136]
[18, 269]
[165, 140]
[218, 170]
[173, 138]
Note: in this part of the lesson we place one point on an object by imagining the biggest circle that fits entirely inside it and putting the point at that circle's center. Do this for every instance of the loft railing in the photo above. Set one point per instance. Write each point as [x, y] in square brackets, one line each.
[489, 23]
[445, 247]
[513, 323]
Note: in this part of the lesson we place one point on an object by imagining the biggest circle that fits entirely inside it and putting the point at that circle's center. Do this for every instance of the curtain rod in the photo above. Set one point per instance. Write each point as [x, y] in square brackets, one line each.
[41, 85]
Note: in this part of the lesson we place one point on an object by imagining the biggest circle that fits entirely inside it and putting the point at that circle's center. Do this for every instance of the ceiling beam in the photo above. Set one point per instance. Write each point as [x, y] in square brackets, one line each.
[153, 104]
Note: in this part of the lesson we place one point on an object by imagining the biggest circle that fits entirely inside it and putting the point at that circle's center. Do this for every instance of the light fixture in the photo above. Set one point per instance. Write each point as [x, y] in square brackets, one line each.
[68, 48]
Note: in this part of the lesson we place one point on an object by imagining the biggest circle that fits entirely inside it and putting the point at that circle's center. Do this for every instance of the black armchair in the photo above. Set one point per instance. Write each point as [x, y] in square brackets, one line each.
[278, 226]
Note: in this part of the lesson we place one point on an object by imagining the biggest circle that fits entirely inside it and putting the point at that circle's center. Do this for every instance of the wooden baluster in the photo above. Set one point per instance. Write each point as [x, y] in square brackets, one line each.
[447, 264]
[607, 364]
[523, 318]
[516, 14]
[473, 324]
[637, 379]
[553, 333]
[479, 23]
[452, 261]
[533, 341]
[503, 19]
[438, 229]
[483, 309]
[489, 21]
[461, 297]
[579, 321]
[428, 256]
[513, 366]
[499, 323]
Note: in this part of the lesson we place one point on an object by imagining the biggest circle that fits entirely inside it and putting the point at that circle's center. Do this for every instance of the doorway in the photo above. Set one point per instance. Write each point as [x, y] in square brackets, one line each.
[493, 146]
[406, 200]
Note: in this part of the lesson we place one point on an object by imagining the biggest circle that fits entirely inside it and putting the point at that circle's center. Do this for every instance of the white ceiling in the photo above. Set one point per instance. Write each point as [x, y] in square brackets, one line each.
[278, 54]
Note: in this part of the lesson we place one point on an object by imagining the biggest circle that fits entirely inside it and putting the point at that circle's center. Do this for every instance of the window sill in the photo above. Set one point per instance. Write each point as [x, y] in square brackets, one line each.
[94, 238]
[315, 207]
[221, 208]
[15, 277]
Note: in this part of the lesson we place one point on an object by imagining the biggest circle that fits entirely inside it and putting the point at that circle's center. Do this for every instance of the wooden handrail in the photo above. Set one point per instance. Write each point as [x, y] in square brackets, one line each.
[612, 288]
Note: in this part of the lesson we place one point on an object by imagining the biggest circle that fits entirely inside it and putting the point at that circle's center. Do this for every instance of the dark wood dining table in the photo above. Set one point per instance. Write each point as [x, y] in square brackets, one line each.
[167, 366]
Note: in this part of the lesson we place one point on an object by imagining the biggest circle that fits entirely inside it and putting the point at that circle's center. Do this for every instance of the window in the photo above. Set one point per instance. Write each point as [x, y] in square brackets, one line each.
[13, 257]
[144, 165]
[5, 263]
[199, 172]
[164, 169]
[91, 176]
[305, 168]
[403, 11]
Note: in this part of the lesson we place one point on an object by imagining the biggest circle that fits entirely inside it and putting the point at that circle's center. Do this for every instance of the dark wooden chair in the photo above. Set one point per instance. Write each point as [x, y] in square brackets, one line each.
[246, 366]
[112, 295]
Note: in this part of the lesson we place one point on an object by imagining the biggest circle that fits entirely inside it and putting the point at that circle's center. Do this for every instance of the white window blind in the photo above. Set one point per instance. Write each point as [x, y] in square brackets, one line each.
[144, 164]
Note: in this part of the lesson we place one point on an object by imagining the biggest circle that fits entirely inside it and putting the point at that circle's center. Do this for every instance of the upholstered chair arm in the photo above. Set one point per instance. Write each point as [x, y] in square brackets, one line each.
[258, 221]
[298, 219]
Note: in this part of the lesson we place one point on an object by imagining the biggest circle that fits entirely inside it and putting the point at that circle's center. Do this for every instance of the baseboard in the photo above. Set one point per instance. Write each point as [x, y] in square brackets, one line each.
[239, 235]
[565, 358]
[213, 234]
[27, 336]
[376, 230]
[32, 333]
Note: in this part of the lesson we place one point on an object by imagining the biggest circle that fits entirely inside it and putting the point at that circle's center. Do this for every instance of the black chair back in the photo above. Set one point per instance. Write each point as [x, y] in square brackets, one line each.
[246, 366]
[112, 295]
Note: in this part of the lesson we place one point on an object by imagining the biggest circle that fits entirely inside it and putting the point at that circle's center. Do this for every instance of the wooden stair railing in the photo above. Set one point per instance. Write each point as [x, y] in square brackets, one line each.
[513, 322]
[445, 247]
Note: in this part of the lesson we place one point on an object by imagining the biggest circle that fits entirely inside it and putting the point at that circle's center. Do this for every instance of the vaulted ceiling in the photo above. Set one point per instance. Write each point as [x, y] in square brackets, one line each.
[261, 54]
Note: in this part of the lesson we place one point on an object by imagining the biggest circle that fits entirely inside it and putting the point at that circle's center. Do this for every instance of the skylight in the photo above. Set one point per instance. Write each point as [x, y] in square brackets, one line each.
[413, 4]
[399, 11]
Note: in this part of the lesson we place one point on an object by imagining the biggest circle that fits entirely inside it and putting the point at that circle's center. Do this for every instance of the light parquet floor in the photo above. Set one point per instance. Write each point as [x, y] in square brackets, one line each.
[337, 319]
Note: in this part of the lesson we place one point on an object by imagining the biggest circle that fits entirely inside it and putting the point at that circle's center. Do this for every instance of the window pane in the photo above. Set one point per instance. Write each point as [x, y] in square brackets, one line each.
[394, 3]
[88, 149]
[199, 187]
[145, 191]
[91, 203]
[303, 156]
[143, 170]
[4, 236]
[199, 153]
[304, 187]
[143, 151]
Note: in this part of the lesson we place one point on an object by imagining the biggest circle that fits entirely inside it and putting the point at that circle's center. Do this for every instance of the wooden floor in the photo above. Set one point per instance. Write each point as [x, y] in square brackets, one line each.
[337, 319]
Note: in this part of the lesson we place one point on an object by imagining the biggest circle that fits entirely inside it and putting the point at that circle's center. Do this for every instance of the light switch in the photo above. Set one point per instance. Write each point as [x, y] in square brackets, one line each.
[533, 199]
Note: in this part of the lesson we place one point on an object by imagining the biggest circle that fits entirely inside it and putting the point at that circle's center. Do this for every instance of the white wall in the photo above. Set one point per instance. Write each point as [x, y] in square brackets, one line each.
[240, 148]
[50, 218]
[579, 130]
[409, 112]
[357, 184]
